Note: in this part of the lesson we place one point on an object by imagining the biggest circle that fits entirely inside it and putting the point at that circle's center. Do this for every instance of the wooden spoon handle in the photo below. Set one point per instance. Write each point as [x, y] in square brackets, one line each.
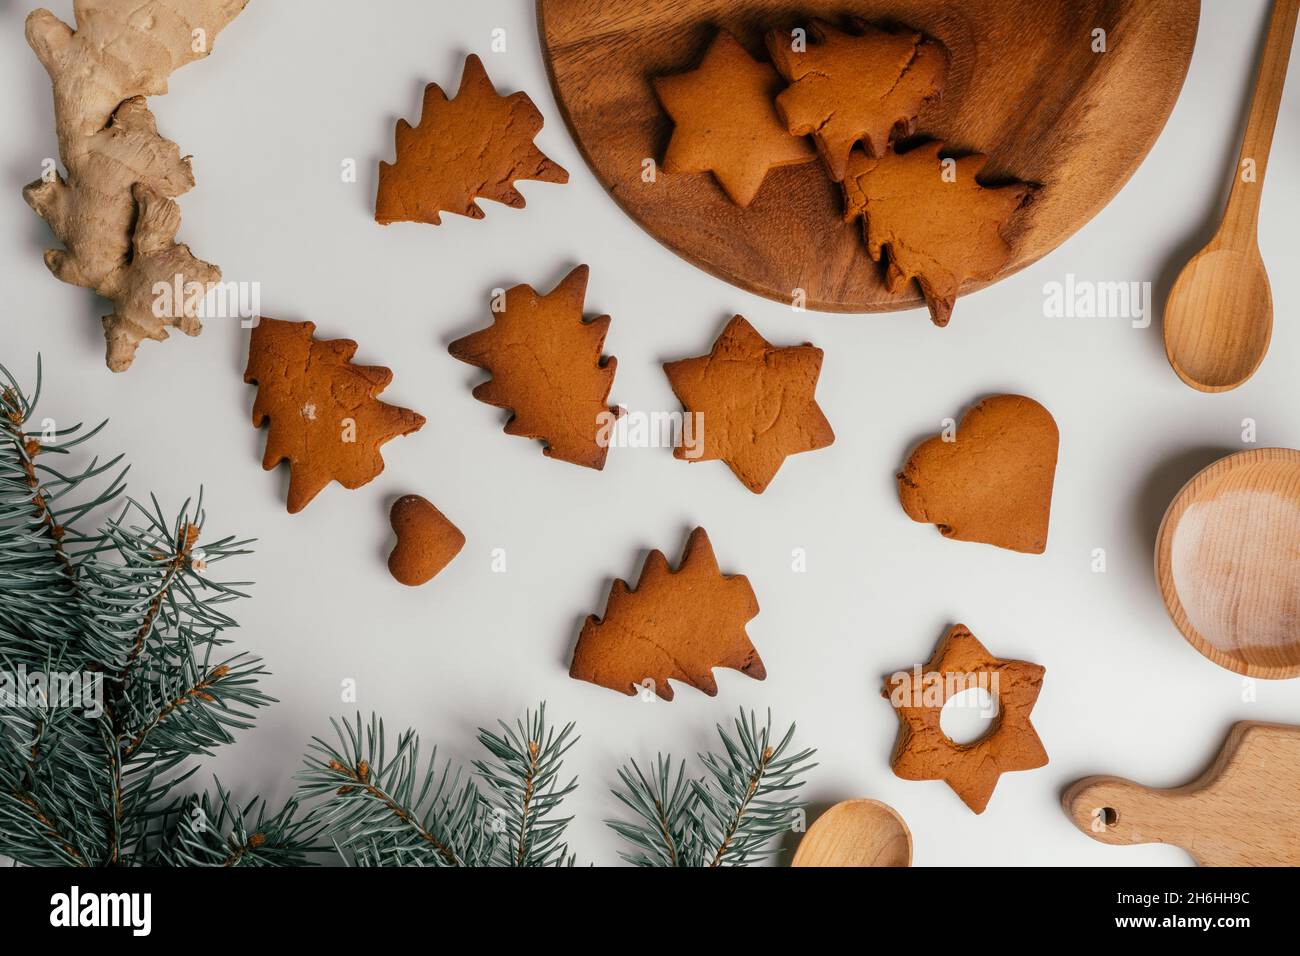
[1240, 221]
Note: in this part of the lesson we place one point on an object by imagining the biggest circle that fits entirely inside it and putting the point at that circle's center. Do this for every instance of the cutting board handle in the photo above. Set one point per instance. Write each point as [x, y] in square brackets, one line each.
[1120, 812]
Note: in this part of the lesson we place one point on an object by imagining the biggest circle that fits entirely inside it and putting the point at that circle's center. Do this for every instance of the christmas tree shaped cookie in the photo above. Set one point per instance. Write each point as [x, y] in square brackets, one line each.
[848, 88]
[674, 625]
[325, 418]
[474, 145]
[927, 218]
[547, 369]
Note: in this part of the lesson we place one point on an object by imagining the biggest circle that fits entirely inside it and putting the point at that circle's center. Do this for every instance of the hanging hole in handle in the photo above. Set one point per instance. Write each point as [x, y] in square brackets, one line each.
[1104, 818]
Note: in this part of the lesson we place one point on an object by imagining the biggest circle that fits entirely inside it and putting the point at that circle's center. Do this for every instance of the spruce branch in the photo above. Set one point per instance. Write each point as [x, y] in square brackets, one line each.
[387, 807]
[728, 817]
[523, 789]
[392, 809]
[125, 612]
[211, 829]
[665, 834]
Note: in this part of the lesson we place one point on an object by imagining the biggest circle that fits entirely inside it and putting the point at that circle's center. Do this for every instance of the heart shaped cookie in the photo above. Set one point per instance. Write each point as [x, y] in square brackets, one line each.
[426, 540]
[991, 480]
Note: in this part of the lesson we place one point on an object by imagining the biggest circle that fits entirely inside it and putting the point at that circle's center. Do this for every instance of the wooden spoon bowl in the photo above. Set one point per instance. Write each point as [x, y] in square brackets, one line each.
[1219, 318]
[1228, 562]
[856, 833]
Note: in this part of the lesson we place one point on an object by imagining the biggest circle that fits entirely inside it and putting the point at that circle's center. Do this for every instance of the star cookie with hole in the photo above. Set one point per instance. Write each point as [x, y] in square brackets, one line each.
[725, 120]
[924, 752]
[755, 402]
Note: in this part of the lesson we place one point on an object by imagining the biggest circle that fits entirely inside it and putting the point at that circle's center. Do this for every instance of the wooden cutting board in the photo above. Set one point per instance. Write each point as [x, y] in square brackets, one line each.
[1024, 86]
[1243, 811]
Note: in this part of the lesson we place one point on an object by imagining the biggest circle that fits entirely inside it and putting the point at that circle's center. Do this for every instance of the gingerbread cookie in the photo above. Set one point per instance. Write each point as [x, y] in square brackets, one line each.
[324, 416]
[725, 121]
[547, 369]
[929, 219]
[674, 625]
[475, 145]
[426, 540]
[756, 403]
[924, 752]
[991, 480]
[848, 88]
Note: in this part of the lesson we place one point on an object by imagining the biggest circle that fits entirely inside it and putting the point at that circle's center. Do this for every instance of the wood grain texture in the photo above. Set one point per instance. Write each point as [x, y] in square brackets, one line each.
[1024, 87]
[1243, 811]
[856, 833]
[1219, 316]
[1228, 562]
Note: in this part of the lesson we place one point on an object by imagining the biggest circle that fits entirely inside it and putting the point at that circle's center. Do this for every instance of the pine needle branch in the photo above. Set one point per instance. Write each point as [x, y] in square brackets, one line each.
[524, 790]
[728, 817]
[394, 810]
[122, 624]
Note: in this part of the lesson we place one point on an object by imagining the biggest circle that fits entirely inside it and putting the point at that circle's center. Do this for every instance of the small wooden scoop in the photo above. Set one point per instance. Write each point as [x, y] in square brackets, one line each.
[856, 833]
[1219, 317]
[1243, 811]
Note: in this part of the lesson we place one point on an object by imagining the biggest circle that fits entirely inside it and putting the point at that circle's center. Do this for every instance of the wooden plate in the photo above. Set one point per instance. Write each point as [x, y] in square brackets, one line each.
[1024, 87]
[1228, 562]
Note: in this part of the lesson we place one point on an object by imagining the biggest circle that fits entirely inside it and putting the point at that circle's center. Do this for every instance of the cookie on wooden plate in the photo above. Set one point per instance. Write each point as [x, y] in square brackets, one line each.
[848, 88]
[725, 121]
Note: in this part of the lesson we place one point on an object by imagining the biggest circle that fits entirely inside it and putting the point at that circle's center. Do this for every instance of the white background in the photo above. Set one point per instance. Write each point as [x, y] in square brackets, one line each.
[295, 87]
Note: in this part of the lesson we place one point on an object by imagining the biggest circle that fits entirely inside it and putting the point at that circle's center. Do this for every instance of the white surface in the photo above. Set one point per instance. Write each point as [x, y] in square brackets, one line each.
[292, 90]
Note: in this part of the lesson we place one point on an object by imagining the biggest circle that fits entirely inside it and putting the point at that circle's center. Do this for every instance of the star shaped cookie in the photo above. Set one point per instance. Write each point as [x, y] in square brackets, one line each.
[924, 752]
[726, 120]
[754, 403]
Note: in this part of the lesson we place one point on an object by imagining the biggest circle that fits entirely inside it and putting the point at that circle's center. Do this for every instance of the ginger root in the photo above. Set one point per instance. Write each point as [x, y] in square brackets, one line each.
[114, 213]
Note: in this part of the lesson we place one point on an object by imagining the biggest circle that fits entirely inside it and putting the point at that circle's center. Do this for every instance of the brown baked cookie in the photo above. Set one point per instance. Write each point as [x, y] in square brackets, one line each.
[848, 88]
[426, 540]
[924, 752]
[993, 481]
[473, 145]
[929, 219]
[547, 369]
[725, 121]
[323, 413]
[755, 402]
[674, 625]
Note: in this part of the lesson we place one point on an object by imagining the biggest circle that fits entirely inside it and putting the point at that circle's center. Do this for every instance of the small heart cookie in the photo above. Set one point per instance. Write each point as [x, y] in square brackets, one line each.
[426, 540]
[992, 480]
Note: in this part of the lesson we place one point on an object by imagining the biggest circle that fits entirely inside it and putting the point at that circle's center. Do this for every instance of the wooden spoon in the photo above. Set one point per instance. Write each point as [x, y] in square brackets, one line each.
[1219, 317]
[1228, 562]
[856, 833]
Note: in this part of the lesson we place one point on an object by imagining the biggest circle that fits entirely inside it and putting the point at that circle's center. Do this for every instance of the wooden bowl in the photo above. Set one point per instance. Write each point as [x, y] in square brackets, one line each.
[1228, 562]
[856, 833]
